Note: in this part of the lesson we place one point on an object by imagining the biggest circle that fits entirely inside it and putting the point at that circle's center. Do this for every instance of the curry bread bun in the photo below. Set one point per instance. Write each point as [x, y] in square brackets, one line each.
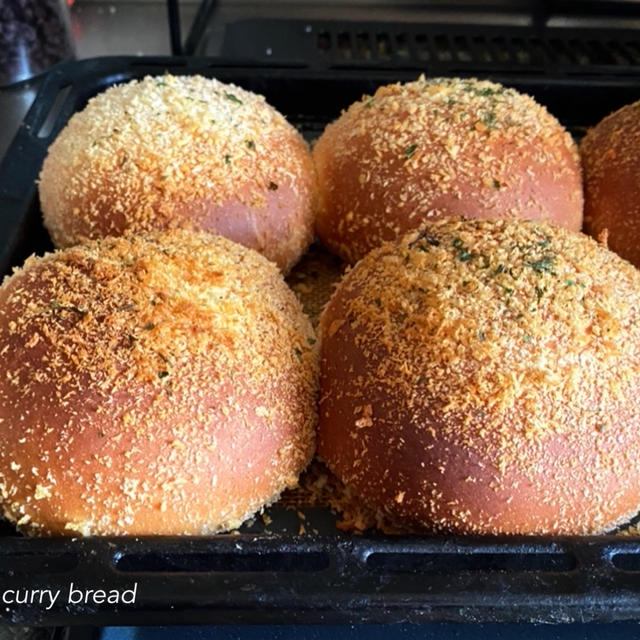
[158, 384]
[611, 164]
[190, 152]
[484, 377]
[444, 146]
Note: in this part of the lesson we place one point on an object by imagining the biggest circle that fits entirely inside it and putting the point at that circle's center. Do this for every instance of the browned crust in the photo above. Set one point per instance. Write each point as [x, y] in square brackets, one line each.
[437, 147]
[484, 377]
[188, 152]
[162, 384]
[611, 162]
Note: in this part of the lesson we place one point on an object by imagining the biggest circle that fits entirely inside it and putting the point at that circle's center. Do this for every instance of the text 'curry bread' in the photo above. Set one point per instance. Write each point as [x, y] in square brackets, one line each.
[484, 377]
[156, 384]
[181, 151]
[441, 147]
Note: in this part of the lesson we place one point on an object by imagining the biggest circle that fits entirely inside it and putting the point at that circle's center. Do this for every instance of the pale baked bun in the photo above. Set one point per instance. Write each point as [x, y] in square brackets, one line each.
[443, 146]
[611, 165]
[484, 377]
[162, 384]
[186, 151]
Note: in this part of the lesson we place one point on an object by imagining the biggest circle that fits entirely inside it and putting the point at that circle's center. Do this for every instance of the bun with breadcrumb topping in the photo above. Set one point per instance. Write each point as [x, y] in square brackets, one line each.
[483, 376]
[611, 164]
[156, 384]
[443, 146]
[188, 152]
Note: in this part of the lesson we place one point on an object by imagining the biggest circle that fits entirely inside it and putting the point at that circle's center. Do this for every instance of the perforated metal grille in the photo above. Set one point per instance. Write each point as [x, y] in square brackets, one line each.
[402, 46]
[331, 44]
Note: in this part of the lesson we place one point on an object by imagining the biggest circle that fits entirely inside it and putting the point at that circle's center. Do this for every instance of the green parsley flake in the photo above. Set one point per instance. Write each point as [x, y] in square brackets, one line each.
[410, 150]
[543, 265]
[232, 97]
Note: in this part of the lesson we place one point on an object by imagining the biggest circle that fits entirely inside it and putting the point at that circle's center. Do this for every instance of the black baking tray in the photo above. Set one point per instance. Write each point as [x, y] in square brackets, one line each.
[276, 576]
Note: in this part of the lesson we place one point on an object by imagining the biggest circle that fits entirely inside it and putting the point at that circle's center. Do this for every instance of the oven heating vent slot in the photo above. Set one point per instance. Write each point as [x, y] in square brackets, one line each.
[227, 562]
[473, 562]
[626, 561]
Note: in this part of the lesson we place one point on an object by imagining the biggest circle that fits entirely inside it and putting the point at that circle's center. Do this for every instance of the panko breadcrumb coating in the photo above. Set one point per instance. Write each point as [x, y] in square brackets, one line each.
[181, 151]
[443, 146]
[157, 384]
[484, 377]
[611, 162]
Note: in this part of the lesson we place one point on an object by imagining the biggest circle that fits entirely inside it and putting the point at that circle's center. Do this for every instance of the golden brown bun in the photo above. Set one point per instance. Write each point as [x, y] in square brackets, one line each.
[161, 384]
[187, 152]
[425, 149]
[611, 165]
[484, 377]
